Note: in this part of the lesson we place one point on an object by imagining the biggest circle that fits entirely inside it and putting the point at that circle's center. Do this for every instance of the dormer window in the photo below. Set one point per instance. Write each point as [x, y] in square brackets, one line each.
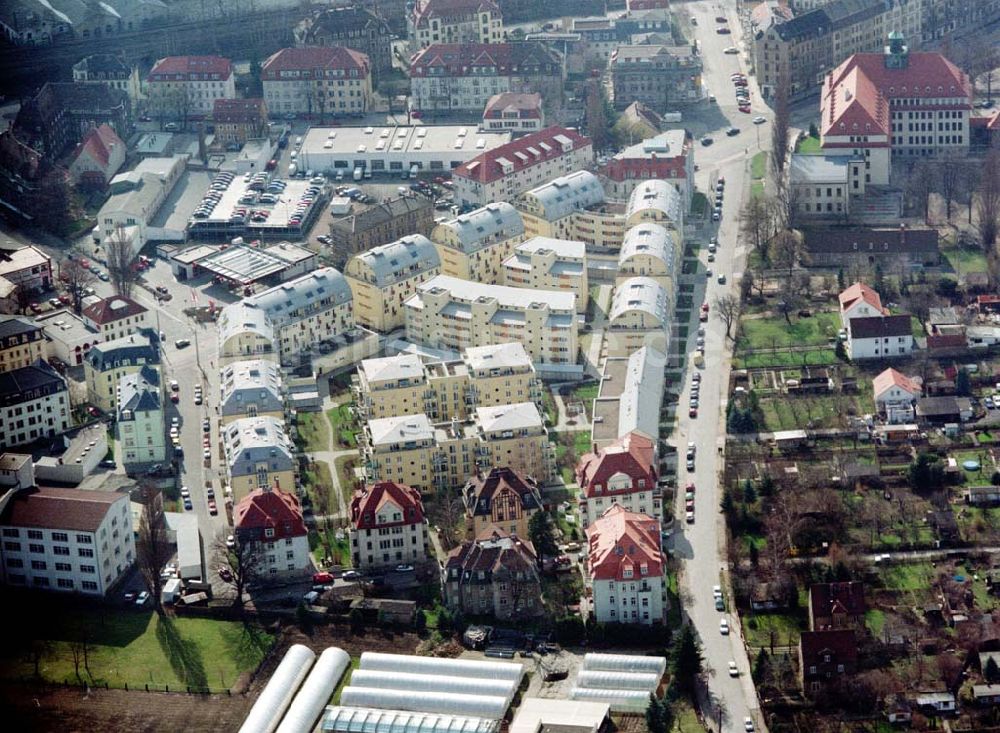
[269, 532]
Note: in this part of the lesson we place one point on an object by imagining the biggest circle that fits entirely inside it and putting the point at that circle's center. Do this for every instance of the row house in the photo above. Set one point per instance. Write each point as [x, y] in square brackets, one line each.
[382, 223]
[179, 87]
[105, 364]
[22, 343]
[641, 315]
[494, 575]
[388, 526]
[661, 77]
[624, 473]
[544, 263]
[464, 77]
[250, 388]
[105, 68]
[473, 246]
[268, 525]
[650, 250]
[34, 404]
[453, 21]
[485, 376]
[383, 277]
[504, 172]
[353, 27]
[448, 313]
[140, 418]
[317, 80]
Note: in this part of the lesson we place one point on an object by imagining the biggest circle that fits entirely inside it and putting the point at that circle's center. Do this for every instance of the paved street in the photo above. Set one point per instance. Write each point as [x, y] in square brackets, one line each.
[700, 545]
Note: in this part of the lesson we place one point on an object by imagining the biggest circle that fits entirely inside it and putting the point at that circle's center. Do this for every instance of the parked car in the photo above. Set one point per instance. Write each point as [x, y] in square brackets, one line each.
[404, 568]
[322, 578]
[142, 598]
[724, 627]
[225, 574]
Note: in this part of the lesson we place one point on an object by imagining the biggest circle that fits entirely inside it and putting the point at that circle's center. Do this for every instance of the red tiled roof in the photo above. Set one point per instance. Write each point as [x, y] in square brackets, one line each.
[828, 599]
[860, 291]
[631, 455]
[526, 105]
[892, 378]
[457, 59]
[98, 144]
[427, 9]
[191, 67]
[619, 539]
[480, 490]
[841, 644]
[239, 110]
[112, 309]
[491, 550]
[854, 105]
[994, 124]
[314, 58]
[69, 509]
[521, 153]
[366, 504]
[275, 509]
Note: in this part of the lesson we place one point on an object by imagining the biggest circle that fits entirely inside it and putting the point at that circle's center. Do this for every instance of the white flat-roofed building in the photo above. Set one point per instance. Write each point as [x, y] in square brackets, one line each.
[251, 388]
[66, 539]
[650, 250]
[822, 185]
[450, 313]
[473, 246]
[385, 276]
[641, 315]
[548, 210]
[258, 455]
[395, 149]
[140, 417]
[29, 268]
[544, 263]
[657, 201]
[245, 332]
[69, 337]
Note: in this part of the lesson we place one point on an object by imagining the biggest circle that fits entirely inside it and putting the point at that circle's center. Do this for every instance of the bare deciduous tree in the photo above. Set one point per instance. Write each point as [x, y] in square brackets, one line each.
[785, 250]
[243, 561]
[949, 181]
[988, 201]
[121, 260]
[759, 222]
[727, 310]
[920, 184]
[152, 549]
[780, 131]
[77, 279]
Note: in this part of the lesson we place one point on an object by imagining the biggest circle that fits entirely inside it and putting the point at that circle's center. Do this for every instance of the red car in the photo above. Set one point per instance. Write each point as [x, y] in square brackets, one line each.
[174, 397]
[225, 574]
[693, 412]
[322, 578]
[212, 508]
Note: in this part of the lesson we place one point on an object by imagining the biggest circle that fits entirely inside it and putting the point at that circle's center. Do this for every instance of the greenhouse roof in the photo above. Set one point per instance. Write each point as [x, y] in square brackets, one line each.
[369, 720]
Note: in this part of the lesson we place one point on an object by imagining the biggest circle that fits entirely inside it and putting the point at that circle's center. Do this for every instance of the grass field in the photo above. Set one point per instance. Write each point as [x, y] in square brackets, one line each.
[756, 189]
[808, 146]
[757, 630]
[344, 426]
[774, 332]
[813, 357]
[141, 648]
[318, 482]
[963, 261]
[758, 164]
[815, 411]
[345, 474]
[314, 433]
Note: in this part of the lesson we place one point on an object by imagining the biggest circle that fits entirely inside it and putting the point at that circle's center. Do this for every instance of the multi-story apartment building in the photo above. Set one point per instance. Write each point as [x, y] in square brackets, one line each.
[410, 449]
[317, 80]
[245, 332]
[473, 246]
[97, 158]
[140, 418]
[506, 171]
[453, 21]
[251, 388]
[239, 120]
[487, 376]
[543, 263]
[625, 567]
[661, 77]
[641, 315]
[67, 539]
[106, 363]
[668, 156]
[448, 313]
[258, 455]
[388, 526]
[514, 112]
[382, 223]
[116, 317]
[385, 276]
[354, 27]
[496, 575]
[548, 210]
[650, 250]
[182, 86]
[298, 314]
[34, 403]
[28, 268]
[270, 521]
[621, 473]
[104, 68]
[656, 201]
[896, 103]
[503, 498]
[463, 77]
[22, 343]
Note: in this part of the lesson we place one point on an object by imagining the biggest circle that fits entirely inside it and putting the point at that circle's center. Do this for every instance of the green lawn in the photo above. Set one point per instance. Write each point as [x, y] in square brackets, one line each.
[141, 648]
[345, 681]
[699, 204]
[908, 576]
[757, 629]
[345, 428]
[816, 411]
[814, 357]
[808, 146]
[686, 719]
[319, 485]
[963, 261]
[774, 332]
[758, 164]
[756, 189]
[581, 442]
[875, 621]
[345, 474]
[314, 433]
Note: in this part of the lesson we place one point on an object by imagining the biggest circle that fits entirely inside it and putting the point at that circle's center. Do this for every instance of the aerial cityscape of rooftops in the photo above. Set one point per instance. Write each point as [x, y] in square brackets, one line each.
[486, 366]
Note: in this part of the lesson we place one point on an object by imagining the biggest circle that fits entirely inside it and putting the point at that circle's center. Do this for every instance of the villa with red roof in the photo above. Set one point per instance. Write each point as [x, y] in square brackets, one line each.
[514, 112]
[875, 106]
[454, 21]
[895, 395]
[520, 165]
[621, 473]
[97, 158]
[116, 317]
[314, 80]
[625, 566]
[182, 86]
[388, 526]
[270, 519]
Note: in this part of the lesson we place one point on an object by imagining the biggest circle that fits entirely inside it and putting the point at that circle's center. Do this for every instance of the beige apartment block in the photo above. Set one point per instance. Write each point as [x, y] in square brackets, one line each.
[548, 210]
[650, 250]
[384, 277]
[640, 315]
[474, 246]
[454, 314]
[543, 263]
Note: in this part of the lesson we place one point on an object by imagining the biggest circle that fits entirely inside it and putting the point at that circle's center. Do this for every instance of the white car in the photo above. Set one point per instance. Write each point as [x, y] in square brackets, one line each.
[208, 454]
[724, 627]
[733, 669]
[230, 542]
[185, 492]
[717, 591]
[748, 725]
[731, 50]
[689, 517]
[758, 120]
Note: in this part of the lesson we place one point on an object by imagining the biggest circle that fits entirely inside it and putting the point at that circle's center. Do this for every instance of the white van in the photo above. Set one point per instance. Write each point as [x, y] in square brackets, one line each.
[358, 173]
[293, 155]
[340, 175]
[292, 168]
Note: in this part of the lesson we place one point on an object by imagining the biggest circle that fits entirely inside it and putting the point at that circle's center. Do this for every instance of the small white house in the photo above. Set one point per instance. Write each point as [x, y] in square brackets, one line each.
[939, 702]
[860, 301]
[879, 337]
[895, 395]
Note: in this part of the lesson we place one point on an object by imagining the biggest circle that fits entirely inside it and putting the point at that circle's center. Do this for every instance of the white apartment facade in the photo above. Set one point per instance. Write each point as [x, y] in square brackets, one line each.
[34, 403]
[141, 426]
[180, 86]
[473, 246]
[544, 263]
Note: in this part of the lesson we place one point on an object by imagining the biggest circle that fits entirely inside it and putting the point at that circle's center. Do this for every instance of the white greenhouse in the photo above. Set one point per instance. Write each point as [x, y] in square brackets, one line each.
[366, 720]
[599, 679]
[621, 701]
[277, 695]
[625, 663]
[434, 683]
[478, 706]
[408, 663]
[316, 691]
